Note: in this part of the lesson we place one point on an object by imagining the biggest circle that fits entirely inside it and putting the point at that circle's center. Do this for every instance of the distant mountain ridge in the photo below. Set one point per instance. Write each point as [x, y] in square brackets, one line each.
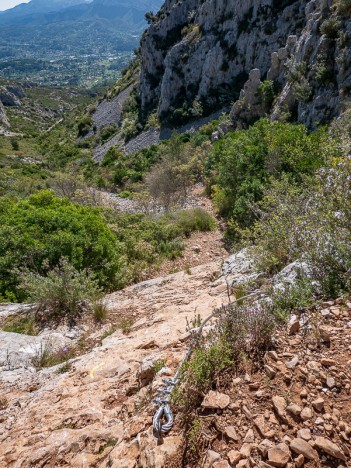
[128, 14]
[71, 42]
[40, 6]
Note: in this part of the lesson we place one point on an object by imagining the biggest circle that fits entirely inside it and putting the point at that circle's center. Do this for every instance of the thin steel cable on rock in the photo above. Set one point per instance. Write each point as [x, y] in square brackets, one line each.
[163, 419]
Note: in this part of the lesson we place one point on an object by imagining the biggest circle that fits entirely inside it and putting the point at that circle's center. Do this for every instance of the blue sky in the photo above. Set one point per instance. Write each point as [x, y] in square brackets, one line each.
[5, 4]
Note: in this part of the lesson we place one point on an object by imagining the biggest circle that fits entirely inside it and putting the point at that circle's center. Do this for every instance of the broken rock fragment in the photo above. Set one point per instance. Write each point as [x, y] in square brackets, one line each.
[216, 400]
[330, 448]
[301, 447]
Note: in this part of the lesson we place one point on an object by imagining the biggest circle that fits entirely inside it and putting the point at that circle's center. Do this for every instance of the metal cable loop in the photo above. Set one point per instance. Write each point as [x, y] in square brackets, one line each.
[161, 429]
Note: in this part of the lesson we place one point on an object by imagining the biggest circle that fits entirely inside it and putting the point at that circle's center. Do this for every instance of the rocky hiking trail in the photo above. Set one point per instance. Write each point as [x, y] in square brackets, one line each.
[75, 419]
[293, 410]
[49, 418]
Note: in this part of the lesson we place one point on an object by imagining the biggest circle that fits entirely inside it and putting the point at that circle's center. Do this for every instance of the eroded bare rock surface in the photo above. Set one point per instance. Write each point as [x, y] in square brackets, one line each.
[77, 418]
[206, 51]
[99, 412]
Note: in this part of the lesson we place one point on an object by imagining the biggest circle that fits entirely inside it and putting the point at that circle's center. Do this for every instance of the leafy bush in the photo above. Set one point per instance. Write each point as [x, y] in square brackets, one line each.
[147, 242]
[62, 291]
[169, 180]
[129, 125]
[120, 169]
[248, 330]
[299, 82]
[208, 360]
[244, 163]
[14, 144]
[152, 121]
[179, 165]
[302, 90]
[322, 73]
[49, 355]
[37, 232]
[84, 125]
[267, 93]
[24, 324]
[239, 332]
[194, 220]
[294, 296]
[330, 27]
[107, 132]
[100, 310]
[344, 7]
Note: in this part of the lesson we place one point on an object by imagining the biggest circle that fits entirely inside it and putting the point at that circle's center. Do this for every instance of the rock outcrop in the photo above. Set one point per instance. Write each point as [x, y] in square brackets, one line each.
[97, 410]
[203, 51]
[9, 96]
[3, 117]
[197, 55]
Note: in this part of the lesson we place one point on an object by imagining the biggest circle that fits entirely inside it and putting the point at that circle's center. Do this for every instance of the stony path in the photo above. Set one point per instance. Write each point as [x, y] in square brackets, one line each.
[292, 411]
[55, 419]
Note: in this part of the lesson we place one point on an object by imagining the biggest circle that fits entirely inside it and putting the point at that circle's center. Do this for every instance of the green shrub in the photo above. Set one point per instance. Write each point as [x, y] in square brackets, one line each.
[194, 436]
[267, 93]
[194, 220]
[49, 355]
[344, 7]
[302, 90]
[330, 27]
[150, 17]
[312, 223]
[23, 324]
[322, 73]
[239, 333]
[152, 121]
[130, 125]
[297, 77]
[14, 144]
[299, 295]
[107, 132]
[37, 232]
[172, 249]
[84, 125]
[63, 291]
[244, 163]
[112, 155]
[100, 310]
[247, 329]
[198, 375]
[169, 180]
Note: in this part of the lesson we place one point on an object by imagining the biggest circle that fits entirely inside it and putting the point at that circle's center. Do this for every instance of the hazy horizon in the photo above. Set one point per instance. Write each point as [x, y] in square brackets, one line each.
[6, 4]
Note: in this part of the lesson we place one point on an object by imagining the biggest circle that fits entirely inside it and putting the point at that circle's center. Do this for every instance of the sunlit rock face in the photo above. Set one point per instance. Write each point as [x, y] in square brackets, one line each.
[204, 50]
[197, 56]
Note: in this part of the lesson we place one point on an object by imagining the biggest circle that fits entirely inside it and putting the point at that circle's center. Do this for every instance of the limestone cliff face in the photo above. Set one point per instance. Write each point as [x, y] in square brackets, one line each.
[197, 56]
[3, 118]
[314, 68]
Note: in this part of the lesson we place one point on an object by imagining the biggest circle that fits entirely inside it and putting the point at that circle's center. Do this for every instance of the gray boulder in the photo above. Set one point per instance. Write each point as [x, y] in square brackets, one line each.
[8, 98]
[3, 117]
